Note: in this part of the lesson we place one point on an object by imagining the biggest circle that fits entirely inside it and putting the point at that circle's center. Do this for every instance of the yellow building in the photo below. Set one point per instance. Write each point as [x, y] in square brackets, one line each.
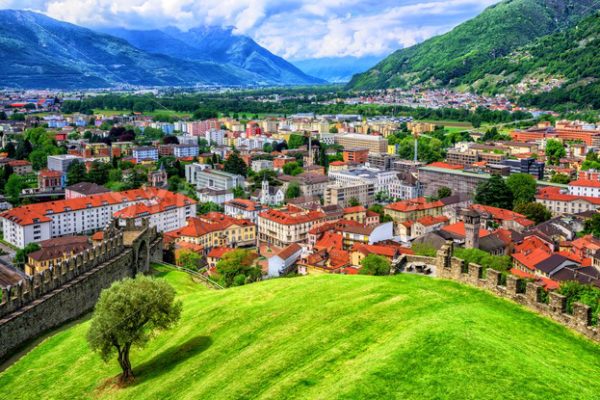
[410, 210]
[418, 128]
[53, 251]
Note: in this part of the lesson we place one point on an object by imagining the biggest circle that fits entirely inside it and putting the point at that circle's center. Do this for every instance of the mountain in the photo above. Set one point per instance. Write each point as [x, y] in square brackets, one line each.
[336, 69]
[495, 33]
[40, 52]
[561, 69]
[324, 337]
[218, 45]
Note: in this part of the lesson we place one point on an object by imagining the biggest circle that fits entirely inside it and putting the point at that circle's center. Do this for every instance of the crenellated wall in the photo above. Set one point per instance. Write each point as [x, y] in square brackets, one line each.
[65, 292]
[527, 294]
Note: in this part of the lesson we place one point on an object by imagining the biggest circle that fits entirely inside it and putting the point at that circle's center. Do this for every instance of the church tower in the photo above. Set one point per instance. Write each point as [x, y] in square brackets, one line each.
[264, 194]
[472, 222]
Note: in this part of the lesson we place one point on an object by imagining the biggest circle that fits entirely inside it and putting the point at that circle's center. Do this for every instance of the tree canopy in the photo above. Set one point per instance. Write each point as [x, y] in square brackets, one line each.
[235, 165]
[128, 314]
[237, 268]
[534, 211]
[523, 188]
[494, 192]
[373, 264]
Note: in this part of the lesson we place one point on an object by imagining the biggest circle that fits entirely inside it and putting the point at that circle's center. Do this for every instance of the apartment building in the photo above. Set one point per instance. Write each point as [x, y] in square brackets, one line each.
[559, 203]
[340, 194]
[244, 209]
[186, 150]
[375, 144]
[145, 153]
[413, 209]
[585, 188]
[358, 155]
[310, 184]
[61, 162]
[201, 177]
[287, 226]
[42, 221]
[381, 180]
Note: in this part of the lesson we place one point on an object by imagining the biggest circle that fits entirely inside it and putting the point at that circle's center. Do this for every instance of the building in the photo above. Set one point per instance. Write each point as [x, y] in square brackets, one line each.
[526, 166]
[260, 165]
[584, 188]
[413, 209]
[21, 167]
[84, 189]
[287, 225]
[282, 262]
[270, 195]
[145, 153]
[42, 221]
[244, 209]
[559, 202]
[375, 144]
[310, 184]
[381, 180]
[217, 196]
[61, 162]
[53, 251]
[435, 177]
[186, 150]
[384, 162]
[49, 181]
[214, 230]
[359, 155]
[280, 161]
[158, 178]
[342, 194]
[201, 177]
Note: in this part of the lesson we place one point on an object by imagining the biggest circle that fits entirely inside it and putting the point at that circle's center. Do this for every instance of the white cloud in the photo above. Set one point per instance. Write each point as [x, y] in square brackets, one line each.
[295, 29]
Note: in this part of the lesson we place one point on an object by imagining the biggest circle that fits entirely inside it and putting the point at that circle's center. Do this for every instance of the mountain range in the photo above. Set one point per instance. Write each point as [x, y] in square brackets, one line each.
[337, 69]
[466, 52]
[41, 52]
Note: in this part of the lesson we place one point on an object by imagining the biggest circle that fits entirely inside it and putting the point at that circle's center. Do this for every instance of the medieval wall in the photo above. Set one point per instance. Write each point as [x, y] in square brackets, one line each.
[69, 290]
[527, 294]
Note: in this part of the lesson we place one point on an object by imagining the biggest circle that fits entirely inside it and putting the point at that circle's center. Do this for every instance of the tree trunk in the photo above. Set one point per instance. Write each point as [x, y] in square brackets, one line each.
[127, 375]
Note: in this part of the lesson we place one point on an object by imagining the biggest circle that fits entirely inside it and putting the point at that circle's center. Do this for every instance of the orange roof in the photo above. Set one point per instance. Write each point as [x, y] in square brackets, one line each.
[337, 163]
[386, 251]
[439, 164]
[548, 284]
[459, 230]
[211, 222]
[190, 246]
[554, 194]
[247, 205]
[98, 236]
[25, 215]
[531, 243]
[419, 203]
[48, 173]
[503, 214]
[219, 252]
[356, 209]
[350, 270]
[330, 240]
[585, 183]
[428, 220]
[18, 163]
[531, 259]
[292, 216]
[289, 251]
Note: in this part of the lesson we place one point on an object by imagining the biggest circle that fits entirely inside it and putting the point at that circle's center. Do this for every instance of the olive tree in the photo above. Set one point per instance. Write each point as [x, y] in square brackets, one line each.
[128, 314]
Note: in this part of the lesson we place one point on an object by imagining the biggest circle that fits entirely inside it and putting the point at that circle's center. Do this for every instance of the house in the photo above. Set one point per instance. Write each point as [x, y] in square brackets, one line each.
[244, 209]
[281, 263]
[217, 196]
[21, 167]
[53, 251]
[84, 189]
[288, 225]
[215, 255]
[145, 153]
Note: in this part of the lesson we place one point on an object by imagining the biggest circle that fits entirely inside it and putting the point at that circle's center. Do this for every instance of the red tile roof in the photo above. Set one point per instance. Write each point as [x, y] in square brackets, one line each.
[429, 220]
[356, 209]
[585, 183]
[503, 214]
[459, 230]
[290, 216]
[417, 204]
[289, 251]
[386, 251]
[531, 259]
[219, 252]
[554, 194]
[439, 164]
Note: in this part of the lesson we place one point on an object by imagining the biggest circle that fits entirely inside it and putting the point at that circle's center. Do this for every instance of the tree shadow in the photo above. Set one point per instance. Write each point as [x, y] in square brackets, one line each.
[168, 359]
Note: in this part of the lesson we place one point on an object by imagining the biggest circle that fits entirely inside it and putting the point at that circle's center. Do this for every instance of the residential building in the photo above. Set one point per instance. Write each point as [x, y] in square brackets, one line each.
[42, 221]
[53, 251]
[382, 180]
[84, 189]
[49, 181]
[186, 150]
[61, 162]
[201, 177]
[563, 203]
[584, 188]
[375, 144]
[413, 209]
[244, 209]
[287, 225]
[20, 167]
[145, 153]
[342, 194]
[260, 165]
[359, 155]
[217, 196]
[282, 262]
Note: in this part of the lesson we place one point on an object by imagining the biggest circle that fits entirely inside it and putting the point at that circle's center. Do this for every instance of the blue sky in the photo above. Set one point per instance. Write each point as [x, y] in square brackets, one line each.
[294, 29]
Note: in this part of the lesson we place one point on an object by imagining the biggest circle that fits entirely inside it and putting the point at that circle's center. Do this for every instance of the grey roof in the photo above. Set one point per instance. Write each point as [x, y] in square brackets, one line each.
[491, 243]
[551, 263]
[88, 188]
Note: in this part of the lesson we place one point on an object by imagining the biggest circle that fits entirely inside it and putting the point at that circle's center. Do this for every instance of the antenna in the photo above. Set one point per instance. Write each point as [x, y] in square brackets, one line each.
[416, 148]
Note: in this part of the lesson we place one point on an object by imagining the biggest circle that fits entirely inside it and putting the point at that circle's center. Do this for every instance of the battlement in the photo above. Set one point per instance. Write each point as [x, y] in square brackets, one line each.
[529, 294]
[36, 286]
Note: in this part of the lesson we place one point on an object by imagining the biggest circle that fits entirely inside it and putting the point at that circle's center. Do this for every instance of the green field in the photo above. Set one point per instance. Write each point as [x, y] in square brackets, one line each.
[328, 337]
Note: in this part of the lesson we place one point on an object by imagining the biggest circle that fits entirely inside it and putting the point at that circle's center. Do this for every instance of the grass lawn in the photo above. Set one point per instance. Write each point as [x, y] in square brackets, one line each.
[159, 111]
[450, 124]
[328, 337]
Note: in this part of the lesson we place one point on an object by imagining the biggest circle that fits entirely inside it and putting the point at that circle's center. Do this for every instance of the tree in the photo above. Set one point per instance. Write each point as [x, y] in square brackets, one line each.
[560, 178]
[208, 207]
[592, 226]
[237, 268]
[333, 129]
[444, 192]
[190, 259]
[554, 151]
[13, 188]
[293, 190]
[10, 149]
[296, 141]
[128, 314]
[292, 168]
[267, 147]
[21, 254]
[536, 212]
[494, 192]
[76, 172]
[98, 173]
[235, 165]
[375, 265]
[523, 188]
[353, 202]
[239, 192]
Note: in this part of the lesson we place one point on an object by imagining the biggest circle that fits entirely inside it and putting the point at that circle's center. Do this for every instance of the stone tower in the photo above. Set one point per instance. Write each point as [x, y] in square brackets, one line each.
[264, 194]
[472, 222]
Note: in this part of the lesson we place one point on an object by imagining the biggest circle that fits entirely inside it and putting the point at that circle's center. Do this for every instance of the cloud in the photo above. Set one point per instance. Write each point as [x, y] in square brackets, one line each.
[294, 29]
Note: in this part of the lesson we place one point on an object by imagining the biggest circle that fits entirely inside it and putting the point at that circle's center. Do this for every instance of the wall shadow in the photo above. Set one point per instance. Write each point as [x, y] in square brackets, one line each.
[168, 359]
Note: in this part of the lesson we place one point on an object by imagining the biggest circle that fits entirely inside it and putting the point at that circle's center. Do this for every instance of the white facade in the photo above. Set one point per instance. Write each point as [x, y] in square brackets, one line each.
[381, 180]
[259, 165]
[145, 153]
[592, 189]
[278, 264]
[61, 162]
[202, 178]
[186, 150]
[215, 136]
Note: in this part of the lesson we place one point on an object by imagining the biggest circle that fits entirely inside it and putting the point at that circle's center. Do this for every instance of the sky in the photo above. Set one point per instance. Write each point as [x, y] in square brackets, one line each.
[293, 29]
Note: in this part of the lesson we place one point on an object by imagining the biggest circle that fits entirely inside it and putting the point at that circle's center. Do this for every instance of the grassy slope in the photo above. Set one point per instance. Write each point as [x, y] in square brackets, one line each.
[328, 337]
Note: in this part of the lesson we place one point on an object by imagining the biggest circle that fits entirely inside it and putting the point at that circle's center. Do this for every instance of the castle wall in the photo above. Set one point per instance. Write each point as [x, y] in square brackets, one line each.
[528, 295]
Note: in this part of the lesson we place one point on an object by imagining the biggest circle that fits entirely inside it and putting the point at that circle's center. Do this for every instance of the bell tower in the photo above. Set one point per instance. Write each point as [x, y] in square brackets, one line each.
[472, 222]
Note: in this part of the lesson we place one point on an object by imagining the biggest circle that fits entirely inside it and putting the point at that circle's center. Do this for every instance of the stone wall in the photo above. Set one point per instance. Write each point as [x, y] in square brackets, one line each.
[69, 290]
[527, 294]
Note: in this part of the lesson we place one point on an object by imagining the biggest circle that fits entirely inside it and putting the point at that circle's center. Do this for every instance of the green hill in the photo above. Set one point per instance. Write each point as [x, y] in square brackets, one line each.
[328, 337]
[500, 29]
